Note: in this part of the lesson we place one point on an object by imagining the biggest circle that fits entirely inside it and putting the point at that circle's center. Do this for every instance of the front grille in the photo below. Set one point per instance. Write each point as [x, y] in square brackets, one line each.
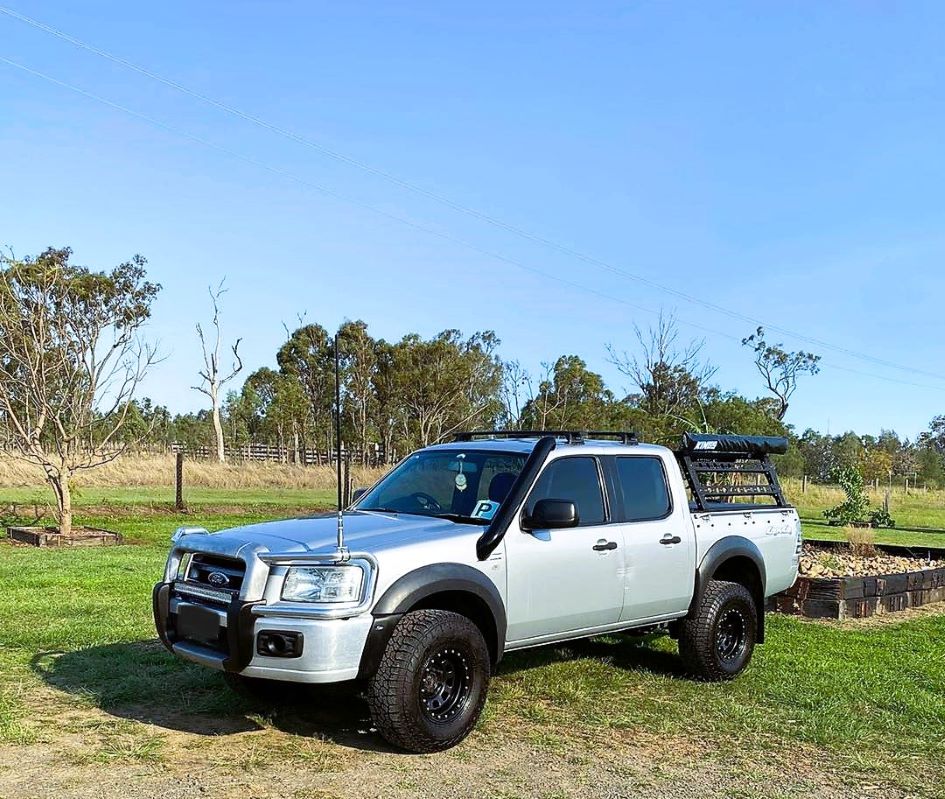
[216, 573]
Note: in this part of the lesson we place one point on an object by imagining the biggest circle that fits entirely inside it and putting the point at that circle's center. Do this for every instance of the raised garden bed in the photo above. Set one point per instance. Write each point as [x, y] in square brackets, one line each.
[51, 537]
[839, 585]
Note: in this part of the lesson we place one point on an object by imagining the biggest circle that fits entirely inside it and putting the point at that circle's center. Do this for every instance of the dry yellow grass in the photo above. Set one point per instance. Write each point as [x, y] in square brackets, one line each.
[132, 470]
[862, 541]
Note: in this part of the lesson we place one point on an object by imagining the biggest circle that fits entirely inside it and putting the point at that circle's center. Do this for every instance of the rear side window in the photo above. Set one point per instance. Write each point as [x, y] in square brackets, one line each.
[576, 480]
[643, 483]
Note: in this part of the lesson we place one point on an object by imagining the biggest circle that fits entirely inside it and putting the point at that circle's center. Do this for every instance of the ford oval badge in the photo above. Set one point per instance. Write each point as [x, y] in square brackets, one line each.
[219, 579]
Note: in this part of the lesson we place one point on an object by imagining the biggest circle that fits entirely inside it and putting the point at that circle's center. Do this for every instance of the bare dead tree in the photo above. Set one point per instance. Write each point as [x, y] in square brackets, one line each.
[71, 361]
[516, 391]
[779, 368]
[670, 377]
[212, 377]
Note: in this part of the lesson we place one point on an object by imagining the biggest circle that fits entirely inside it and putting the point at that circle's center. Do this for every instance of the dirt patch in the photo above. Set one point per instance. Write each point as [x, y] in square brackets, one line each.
[82, 752]
[266, 768]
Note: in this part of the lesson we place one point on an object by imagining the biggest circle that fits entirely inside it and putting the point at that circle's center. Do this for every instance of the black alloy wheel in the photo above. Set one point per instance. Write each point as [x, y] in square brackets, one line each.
[731, 635]
[444, 685]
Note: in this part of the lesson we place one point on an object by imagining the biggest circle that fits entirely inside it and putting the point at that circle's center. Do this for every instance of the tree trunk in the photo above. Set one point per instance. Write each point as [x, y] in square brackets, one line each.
[218, 429]
[60, 487]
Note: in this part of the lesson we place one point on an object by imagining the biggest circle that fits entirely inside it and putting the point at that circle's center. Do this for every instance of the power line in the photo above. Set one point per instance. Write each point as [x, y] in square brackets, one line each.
[453, 204]
[396, 218]
[343, 197]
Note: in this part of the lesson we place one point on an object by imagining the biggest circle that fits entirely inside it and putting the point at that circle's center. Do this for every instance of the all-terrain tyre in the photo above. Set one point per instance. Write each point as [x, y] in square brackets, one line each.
[431, 683]
[717, 640]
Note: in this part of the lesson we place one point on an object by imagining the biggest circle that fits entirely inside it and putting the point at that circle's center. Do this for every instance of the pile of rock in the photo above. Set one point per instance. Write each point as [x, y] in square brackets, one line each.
[841, 562]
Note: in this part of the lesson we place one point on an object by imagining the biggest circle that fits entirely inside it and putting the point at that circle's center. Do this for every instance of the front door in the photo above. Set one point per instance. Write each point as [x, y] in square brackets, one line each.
[571, 579]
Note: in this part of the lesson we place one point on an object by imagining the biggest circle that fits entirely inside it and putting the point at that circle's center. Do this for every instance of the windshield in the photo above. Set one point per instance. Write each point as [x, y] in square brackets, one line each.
[465, 486]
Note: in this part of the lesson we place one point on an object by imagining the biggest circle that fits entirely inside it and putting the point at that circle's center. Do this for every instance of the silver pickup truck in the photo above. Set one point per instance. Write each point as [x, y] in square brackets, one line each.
[495, 542]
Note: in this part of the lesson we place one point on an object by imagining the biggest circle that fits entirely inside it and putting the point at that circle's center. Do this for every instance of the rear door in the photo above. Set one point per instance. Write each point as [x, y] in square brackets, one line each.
[572, 579]
[657, 537]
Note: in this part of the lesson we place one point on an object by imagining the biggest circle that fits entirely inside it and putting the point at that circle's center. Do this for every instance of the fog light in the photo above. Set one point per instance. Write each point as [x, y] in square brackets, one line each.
[278, 644]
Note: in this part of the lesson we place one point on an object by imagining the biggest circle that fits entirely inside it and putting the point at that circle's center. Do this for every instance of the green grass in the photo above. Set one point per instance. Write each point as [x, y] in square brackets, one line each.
[917, 509]
[821, 531]
[918, 514]
[870, 698]
[145, 497]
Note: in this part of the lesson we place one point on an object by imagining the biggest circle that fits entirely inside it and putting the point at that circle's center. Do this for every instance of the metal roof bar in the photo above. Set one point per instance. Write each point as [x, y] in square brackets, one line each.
[571, 436]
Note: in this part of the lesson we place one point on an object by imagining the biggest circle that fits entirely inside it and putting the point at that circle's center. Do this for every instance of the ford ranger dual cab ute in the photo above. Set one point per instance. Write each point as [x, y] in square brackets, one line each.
[495, 542]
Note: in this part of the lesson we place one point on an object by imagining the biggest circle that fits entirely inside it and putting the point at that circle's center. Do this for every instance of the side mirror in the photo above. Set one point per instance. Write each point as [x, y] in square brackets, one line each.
[551, 514]
[358, 493]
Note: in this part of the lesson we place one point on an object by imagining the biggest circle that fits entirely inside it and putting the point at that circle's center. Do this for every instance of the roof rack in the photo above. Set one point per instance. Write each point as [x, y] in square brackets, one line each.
[571, 436]
[720, 455]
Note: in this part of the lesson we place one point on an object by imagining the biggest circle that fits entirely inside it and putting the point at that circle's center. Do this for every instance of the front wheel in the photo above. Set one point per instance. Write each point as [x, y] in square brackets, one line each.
[431, 683]
[717, 641]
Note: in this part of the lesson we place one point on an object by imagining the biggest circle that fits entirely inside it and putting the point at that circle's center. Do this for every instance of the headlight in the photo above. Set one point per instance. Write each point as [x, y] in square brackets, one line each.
[323, 584]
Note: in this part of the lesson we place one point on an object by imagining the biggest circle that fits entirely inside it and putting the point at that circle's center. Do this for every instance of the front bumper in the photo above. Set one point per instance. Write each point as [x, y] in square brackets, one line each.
[331, 652]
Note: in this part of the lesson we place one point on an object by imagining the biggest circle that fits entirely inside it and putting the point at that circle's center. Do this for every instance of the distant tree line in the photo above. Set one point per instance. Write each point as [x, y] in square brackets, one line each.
[72, 360]
[417, 391]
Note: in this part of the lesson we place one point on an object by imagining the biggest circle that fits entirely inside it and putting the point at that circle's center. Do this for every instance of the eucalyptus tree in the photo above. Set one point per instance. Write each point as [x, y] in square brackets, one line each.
[358, 357]
[71, 361]
[444, 384]
[671, 379]
[569, 396]
[779, 368]
[308, 357]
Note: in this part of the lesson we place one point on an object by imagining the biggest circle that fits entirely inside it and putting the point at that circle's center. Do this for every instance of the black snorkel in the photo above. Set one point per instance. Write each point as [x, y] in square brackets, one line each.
[499, 525]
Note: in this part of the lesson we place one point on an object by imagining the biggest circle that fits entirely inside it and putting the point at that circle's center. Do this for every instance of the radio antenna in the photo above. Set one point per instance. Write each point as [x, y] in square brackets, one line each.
[342, 550]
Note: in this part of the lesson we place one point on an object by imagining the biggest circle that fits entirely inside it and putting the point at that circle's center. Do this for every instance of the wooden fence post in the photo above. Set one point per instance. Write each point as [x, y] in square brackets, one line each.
[804, 485]
[179, 480]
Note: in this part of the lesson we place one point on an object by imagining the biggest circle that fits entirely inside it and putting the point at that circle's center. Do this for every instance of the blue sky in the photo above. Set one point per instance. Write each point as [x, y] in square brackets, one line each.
[784, 161]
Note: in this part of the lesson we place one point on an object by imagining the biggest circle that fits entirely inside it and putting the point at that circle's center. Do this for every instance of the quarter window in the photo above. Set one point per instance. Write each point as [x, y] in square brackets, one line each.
[643, 483]
[576, 480]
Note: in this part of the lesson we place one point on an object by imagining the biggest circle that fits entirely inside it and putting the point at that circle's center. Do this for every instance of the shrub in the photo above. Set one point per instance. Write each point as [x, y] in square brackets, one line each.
[881, 518]
[854, 507]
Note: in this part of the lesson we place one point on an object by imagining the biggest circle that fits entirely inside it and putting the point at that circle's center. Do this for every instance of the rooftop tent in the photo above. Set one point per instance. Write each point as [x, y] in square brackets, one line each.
[701, 445]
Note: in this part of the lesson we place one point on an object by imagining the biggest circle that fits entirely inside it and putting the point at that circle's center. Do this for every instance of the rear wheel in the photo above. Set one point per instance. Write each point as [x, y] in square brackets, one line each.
[717, 641]
[432, 681]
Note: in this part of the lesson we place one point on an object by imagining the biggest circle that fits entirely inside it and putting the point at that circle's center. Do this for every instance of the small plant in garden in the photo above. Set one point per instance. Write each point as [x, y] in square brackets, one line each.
[854, 508]
[881, 518]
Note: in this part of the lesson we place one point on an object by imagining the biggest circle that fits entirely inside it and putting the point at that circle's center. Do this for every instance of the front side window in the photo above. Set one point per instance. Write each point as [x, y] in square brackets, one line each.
[643, 483]
[463, 486]
[575, 480]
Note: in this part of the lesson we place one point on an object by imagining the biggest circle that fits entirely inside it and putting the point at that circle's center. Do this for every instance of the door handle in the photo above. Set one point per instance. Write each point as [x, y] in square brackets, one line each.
[671, 539]
[603, 545]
